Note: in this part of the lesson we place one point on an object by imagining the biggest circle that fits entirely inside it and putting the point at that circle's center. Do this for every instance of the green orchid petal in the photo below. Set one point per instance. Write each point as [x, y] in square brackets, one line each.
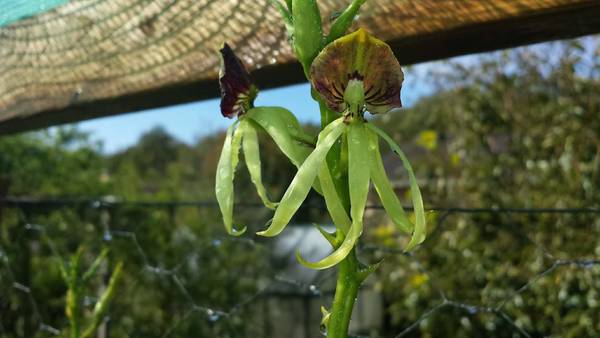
[384, 189]
[358, 172]
[339, 254]
[302, 182]
[224, 181]
[236, 145]
[362, 58]
[252, 158]
[285, 130]
[358, 169]
[332, 200]
[419, 232]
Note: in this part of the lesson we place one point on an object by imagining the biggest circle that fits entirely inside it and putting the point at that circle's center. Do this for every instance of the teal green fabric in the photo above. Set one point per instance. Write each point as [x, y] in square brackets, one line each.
[13, 10]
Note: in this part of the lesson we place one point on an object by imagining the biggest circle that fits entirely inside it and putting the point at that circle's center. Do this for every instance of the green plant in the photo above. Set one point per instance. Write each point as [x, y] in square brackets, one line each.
[76, 282]
[349, 74]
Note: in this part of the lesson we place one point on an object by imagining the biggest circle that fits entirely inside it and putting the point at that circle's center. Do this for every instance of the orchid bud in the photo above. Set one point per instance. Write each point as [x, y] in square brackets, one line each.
[237, 89]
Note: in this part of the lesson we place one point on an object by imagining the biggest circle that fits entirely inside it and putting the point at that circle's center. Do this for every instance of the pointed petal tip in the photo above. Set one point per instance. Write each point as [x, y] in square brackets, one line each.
[241, 231]
[268, 233]
[310, 265]
[235, 232]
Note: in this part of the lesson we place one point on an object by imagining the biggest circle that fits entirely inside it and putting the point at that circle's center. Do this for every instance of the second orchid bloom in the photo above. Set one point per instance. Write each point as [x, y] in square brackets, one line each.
[351, 75]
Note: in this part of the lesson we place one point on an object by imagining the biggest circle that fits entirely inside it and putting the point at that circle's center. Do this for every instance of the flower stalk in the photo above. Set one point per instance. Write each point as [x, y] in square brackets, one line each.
[346, 293]
[350, 75]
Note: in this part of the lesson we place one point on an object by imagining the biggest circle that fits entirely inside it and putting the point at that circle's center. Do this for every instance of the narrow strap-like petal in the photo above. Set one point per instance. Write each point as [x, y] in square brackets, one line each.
[358, 169]
[284, 129]
[358, 173]
[339, 254]
[252, 158]
[332, 200]
[224, 181]
[384, 189]
[302, 182]
[419, 232]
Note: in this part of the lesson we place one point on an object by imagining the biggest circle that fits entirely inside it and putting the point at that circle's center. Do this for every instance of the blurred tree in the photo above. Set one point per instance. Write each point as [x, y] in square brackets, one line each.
[187, 241]
[51, 164]
[518, 128]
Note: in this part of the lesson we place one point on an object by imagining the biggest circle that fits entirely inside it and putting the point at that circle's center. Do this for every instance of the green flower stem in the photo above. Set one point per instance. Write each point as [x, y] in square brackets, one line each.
[350, 275]
[337, 167]
[327, 115]
[346, 292]
[349, 272]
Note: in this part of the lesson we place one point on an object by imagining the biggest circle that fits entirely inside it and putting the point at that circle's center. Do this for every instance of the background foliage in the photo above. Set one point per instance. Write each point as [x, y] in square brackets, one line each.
[519, 128]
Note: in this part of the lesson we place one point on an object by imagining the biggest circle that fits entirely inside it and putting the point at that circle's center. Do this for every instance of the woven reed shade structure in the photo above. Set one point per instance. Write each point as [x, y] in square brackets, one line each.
[91, 58]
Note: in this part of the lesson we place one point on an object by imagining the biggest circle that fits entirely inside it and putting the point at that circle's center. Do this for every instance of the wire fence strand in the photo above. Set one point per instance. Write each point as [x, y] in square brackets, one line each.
[278, 284]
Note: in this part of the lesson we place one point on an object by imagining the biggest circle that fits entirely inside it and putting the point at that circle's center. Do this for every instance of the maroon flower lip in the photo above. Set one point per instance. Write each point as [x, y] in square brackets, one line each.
[237, 89]
[365, 61]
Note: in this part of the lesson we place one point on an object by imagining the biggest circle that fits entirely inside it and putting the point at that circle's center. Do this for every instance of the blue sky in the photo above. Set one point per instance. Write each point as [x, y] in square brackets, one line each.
[189, 122]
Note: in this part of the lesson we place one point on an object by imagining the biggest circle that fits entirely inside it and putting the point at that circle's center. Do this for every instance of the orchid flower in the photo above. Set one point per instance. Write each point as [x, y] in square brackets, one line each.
[238, 93]
[353, 74]
[350, 75]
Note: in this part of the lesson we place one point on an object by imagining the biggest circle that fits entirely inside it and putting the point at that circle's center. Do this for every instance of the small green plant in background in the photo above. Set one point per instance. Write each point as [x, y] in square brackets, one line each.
[77, 281]
[350, 75]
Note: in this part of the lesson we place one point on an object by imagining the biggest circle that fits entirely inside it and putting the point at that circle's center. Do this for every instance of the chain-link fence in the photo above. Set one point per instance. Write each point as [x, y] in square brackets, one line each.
[482, 272]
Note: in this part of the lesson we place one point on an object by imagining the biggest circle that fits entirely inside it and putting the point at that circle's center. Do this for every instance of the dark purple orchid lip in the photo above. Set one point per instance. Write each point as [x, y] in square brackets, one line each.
[237, 89]
[358, 57]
